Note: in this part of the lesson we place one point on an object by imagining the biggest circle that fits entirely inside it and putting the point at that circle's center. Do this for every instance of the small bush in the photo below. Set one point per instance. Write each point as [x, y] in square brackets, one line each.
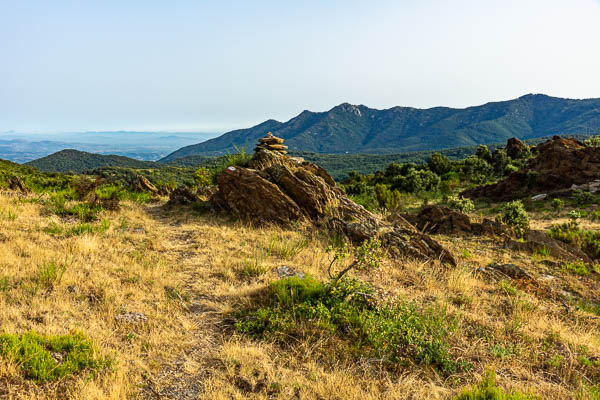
[509, 169]
[202, 178]
[488, 389]
[594, 216]
[582, 198]
[557, 204]
[460, 204]
[514, 214]
[49, 358]
[568, 232]
[388, 199]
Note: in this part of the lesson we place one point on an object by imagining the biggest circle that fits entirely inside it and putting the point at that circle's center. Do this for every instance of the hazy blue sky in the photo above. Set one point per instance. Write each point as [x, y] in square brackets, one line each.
[173, 65]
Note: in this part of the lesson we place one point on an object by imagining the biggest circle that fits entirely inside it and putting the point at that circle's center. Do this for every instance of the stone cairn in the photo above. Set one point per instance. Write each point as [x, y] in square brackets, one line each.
[271, 143]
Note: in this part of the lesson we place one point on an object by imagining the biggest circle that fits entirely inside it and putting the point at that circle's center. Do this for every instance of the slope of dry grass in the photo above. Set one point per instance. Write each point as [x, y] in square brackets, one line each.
[188, 272]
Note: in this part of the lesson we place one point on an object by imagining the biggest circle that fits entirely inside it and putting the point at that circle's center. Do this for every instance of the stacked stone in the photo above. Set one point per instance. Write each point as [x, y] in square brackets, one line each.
[271, 143]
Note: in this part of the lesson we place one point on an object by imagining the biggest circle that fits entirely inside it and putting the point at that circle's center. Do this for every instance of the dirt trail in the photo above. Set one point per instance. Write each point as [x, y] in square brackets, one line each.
[184, 247]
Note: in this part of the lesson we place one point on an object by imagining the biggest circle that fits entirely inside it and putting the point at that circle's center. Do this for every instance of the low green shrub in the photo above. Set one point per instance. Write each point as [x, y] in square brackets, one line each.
[557, 204]
[594, 216]
[577, 268]
[50, 358]
[582, 198]
[571, 233]
[488, 389]
[348, 309]
[460, 204]
[305, 308]
[568, 232]
[592, 141]
[514, 214]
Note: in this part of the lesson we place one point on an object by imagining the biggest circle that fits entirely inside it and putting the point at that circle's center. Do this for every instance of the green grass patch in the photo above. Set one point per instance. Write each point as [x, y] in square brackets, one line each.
[50, 358]
[82, 228]
[488, 389]
[578, 268]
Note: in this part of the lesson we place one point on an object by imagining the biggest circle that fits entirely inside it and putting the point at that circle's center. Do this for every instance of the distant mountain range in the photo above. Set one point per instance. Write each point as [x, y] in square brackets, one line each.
[360, 129]
[23, 147]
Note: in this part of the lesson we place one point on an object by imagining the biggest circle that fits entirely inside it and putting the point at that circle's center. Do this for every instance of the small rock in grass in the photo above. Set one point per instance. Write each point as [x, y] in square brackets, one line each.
[131, 317]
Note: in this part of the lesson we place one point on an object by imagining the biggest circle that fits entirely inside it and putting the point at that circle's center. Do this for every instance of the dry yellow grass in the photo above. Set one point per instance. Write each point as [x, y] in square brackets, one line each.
[186, 272]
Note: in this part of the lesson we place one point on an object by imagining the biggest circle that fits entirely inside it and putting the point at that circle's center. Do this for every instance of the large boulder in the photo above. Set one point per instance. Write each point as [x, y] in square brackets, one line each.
[560, 163]
[275, 188]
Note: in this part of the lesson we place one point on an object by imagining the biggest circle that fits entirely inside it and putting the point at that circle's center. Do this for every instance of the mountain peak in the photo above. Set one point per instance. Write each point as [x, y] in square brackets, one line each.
[347, 108]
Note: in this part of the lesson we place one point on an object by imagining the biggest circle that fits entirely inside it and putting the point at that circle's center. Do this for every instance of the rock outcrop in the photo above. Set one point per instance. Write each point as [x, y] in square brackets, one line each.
[182, 196]
[560, 163]
[515, 148]
[536, 241]
[141, 184]
[438, 219]
[17, 184]
[275, 188]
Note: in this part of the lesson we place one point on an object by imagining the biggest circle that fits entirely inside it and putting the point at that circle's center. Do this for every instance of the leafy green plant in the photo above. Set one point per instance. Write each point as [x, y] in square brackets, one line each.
[592, 141]
[504, 350]
[367, 256]
[582, 198]
[557, 204]
[594, 216]
[488, 389]
[514, 214]
[388, 199]
[460, 204]
[50, 358]
[574, 215]
[202, 177]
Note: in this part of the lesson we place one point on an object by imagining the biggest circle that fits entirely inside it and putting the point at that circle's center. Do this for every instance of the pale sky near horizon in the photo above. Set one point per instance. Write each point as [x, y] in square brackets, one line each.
[218, 65]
